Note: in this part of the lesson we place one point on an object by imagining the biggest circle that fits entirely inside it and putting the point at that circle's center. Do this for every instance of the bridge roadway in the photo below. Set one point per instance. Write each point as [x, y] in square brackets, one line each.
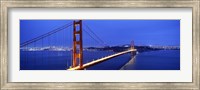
[101, 60]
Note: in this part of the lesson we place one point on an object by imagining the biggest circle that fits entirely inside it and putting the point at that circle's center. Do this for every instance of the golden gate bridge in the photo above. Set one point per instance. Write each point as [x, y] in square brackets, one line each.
[56, 37]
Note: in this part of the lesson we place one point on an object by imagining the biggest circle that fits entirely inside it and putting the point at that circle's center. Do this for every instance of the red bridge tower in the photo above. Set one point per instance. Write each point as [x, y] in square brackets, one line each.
[77, 44]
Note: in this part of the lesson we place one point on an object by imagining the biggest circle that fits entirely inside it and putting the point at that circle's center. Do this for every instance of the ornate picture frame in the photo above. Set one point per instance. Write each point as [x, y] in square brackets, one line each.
[7, 4]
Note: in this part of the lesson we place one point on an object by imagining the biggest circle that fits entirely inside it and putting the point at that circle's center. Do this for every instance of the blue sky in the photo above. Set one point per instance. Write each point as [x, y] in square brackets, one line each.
[112, 32]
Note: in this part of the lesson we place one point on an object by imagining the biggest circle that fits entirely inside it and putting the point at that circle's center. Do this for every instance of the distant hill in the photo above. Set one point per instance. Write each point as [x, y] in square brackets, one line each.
[139, 48]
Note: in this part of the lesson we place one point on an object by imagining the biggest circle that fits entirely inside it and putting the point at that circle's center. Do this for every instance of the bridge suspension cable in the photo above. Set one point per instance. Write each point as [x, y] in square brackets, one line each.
[45, 35]
[92, 37]
[98, 39]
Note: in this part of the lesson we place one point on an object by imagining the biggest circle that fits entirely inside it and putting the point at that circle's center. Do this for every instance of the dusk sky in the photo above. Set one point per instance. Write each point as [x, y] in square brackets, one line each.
[112, 32]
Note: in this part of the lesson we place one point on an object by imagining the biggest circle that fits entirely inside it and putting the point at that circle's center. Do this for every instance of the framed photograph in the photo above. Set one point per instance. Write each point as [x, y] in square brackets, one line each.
[100, 44]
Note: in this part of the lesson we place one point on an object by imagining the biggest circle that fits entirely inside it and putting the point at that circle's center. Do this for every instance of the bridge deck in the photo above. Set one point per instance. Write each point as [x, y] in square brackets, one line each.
[101, 60]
